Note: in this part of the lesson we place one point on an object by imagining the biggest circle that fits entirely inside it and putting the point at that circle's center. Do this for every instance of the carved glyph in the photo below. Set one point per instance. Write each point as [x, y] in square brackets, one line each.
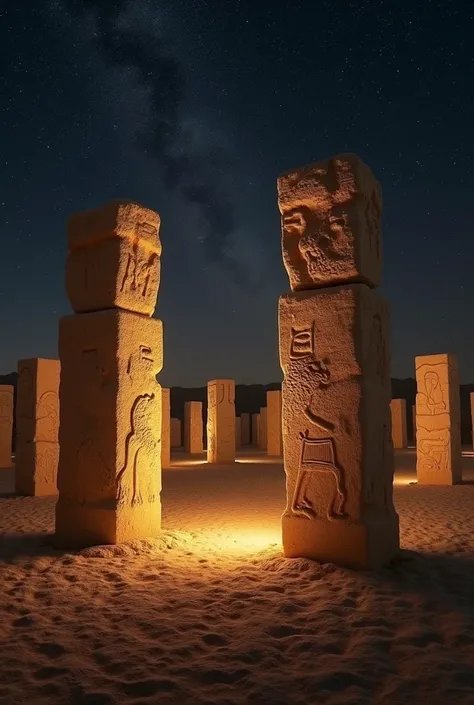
[221, 421]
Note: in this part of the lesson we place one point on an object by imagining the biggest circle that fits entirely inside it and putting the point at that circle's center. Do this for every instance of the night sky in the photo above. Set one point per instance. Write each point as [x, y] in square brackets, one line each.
[193, 109]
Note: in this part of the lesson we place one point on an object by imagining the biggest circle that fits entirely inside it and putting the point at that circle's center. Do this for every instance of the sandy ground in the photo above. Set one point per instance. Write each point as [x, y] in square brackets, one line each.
[211, 613]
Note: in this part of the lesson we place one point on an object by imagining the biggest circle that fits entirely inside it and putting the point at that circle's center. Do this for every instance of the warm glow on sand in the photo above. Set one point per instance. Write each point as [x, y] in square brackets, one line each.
[242, 541]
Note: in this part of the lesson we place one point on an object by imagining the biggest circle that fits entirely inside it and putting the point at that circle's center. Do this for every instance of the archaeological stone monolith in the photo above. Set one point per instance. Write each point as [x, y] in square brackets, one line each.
[193, 429]
[255, 429]
[274, 437]
[176, 441]
[6, 425]
[438, 420]
[221, 421]
[334, 353]
[37, 421]
[238, 432]
[111, 350]
[245, 429]
[262, 429]
[413, 411]
[165, 427]
[398, 410]
[471, 397]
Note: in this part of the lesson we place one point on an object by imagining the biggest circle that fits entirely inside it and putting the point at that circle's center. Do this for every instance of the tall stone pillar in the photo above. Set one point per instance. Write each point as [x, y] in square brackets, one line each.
[245, 429]
[274, 437]
[193, 431]
[238, 432]
[6, 425]
[262, 433]
[37, 420]
[109, 475]
[334, 354]
[438, 420]
[221, 421]
[398, 409]
[413, 411]
[165, 428]
[255, 429]
[176, 441]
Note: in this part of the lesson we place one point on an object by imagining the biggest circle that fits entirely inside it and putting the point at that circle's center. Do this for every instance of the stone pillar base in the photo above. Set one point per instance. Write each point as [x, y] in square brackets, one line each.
[364, 545]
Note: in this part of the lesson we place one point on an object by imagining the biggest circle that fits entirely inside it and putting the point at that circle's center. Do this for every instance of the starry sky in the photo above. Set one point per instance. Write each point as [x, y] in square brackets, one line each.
[193, 108]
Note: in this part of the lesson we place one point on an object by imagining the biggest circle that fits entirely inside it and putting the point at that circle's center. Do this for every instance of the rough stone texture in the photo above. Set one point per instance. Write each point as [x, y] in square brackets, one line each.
[109, 475]
[413, 411]
[398, 408]
[338, 452]
[221, 421]
[165, 428]
[176, 441]
[255, 429]
[114, 258]
[238, 432]
[193, 428]
[262, 429]
[438, 420]
[6, 425]
[245, 429]
[274, 437]
[330, 215]
[37, 421]
[471, 396]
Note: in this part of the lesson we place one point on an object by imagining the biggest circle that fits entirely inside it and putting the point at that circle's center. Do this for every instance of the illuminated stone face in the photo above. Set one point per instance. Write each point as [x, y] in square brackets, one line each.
[176, 441]
[398, 409]
[193, 428]
[274, 438]
[6, 425]
[165, 428]
[438, 420]
[262, 429]
[221, 421]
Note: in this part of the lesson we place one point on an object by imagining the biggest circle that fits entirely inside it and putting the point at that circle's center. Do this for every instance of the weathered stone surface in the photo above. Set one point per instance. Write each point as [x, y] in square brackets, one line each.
[331, 214]
[176, 440]
[274, 437]
[413, 411]
[398, 408]
[262, 429]
[114, 258]
[255, 429]
[193, 428]
[338, 453]
[165, 428]
[6, 425]
[221, 421]
[245, 429]
[471, 396]
[109, 475]
[37, 421]
[438, 420]
[238, 432]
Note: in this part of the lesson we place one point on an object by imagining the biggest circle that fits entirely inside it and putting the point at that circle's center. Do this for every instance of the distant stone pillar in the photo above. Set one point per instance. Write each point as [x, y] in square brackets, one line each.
[255, 429]
[165, 428]
[334, 354]
[472, 416]
[37, 420]
[238, 432]
[438, 420]
[262, 429]
[413, 411]
[274, 438]
[6, 425]
[245, 429]
[221, 421]
[176, 440]
[109, 475]
[398, 409]
[193, 427]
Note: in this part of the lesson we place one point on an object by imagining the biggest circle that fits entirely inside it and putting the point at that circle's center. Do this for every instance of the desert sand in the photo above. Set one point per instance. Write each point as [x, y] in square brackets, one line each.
[210, 613]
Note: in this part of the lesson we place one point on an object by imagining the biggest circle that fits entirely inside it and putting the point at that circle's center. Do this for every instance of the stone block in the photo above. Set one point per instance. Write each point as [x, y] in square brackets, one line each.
[274, 437]
[398, 409]
[176, 440]
[262, 432]
[193, 428]
[6, 425]
[255, 429]
[221, 421]
[165, 428]
[245, 429]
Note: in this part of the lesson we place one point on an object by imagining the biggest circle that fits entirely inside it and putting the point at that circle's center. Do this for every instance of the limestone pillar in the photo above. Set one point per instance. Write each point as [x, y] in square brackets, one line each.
[472, 416]
[262, 429]
[398, 410]
[438, 420]
[109, 475]
[176, 441]
[165, 428]
[255, 429]
[221, 421]
[274, 438]
[334, 354]
[238, 432]
[6, 425]
[37, 420]
[193, 432]
[413, 411]
[245, 429]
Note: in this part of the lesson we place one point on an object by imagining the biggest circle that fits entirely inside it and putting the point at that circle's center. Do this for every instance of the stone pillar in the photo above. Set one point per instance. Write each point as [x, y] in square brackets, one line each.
[221, 421]
[262, 429]
[438, 420]
[176, 441]
[109, 475]
[398, 409]
[165, 428]
[472, 416]
[334, 354]
[6, 425]
[245, 429]
[193, 427]
[238, 432]
[255, 429]
[37, 420]
[413, 411]
[274, 438]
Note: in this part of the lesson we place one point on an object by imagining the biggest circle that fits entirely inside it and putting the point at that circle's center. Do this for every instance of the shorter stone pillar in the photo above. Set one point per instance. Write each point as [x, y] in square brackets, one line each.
[165, 428]
[413, 411]
[6, 425]
[175, 427]
[398, 409]
[274, 437]
[262, 432]
[221, 421]
[37, 422]
[245, 429]
[238, 432]
[255, 429]
[438, 420]
[193, 427]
